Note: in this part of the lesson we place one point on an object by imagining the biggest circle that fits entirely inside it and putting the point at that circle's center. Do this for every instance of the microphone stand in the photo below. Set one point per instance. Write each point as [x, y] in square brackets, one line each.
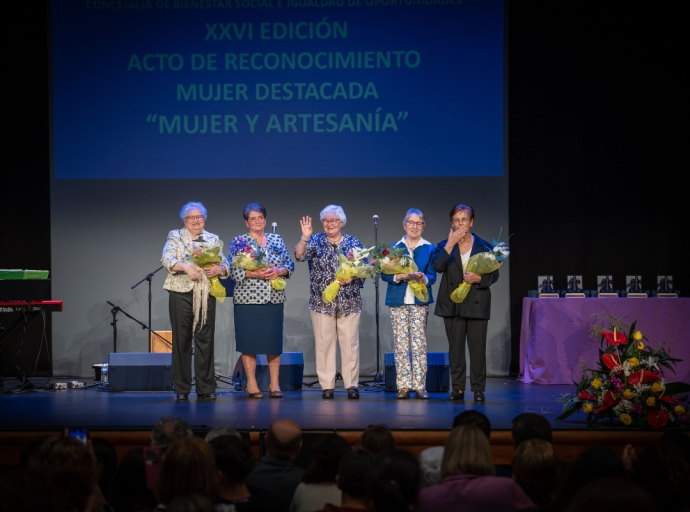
[378, 380]
[148, 278]
[116, 309]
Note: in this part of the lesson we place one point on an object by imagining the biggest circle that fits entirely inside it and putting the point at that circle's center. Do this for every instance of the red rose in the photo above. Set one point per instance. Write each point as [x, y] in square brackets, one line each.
[385, 252]
[615, 338]
[658, 418]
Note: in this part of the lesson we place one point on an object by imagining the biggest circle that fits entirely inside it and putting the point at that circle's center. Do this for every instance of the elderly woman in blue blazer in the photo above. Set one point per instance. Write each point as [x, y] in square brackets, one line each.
[408, 314]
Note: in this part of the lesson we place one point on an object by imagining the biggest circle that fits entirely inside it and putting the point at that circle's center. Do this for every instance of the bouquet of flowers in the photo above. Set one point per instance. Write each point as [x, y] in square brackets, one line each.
[203, 257]
[355, 264]
[481, 263]
[249, 255]
[629, 384]
[395, 260]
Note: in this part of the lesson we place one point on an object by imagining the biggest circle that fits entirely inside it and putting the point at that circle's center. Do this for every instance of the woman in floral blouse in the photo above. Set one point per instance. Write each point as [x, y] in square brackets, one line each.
[258, 305]
[338, 319]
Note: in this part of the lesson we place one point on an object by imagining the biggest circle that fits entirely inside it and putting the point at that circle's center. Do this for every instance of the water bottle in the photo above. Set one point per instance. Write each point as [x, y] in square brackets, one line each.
[104, 372]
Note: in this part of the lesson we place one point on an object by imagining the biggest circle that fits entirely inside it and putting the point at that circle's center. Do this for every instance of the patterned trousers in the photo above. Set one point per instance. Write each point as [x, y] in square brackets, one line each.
[409, 335]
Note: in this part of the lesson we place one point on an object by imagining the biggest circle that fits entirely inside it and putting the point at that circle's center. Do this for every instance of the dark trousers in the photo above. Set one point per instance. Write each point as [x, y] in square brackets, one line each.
[474, 331]
[182, 318]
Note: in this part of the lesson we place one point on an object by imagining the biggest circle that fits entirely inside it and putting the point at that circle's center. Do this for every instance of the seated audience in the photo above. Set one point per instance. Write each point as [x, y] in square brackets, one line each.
[318, 485]
[468, 480]
[193, 503]
[378, 439]
[188, 467]
[221, 431]
[130, 492]
[395, 481]
[662, 470]
[275, 472]
[536, 468]
[106, 464]
[612, 494]
[167, 430]
[353, 480]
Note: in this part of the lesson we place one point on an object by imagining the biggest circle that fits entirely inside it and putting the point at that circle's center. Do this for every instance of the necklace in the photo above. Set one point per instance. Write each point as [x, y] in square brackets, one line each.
[334, 242]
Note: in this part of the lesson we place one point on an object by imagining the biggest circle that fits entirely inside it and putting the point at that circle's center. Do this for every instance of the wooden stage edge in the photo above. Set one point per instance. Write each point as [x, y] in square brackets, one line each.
[567, 443]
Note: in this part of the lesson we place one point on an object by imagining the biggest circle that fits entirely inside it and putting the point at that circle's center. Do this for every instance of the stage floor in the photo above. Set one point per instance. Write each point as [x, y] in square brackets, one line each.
[96, 408]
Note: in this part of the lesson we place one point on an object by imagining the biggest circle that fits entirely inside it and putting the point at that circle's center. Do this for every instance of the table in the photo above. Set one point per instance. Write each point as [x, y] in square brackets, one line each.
[554, 335]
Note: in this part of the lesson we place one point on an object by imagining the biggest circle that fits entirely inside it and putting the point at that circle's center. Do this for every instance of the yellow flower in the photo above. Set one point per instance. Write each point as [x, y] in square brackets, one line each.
[626, 419]
[627, 394]
[637, 335]
[651, 401]
[656, 387]
[678, 410]
[588, 408]
[633, 361]
[596, 383]
[640, 345]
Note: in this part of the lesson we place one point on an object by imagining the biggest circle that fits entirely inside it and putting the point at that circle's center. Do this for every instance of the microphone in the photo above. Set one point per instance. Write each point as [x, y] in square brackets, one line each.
[274, 227]
[113, 305]
[376, 220]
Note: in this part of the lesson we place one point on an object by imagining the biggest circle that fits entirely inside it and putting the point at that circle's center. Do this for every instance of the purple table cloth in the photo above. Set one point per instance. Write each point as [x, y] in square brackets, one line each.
[554, 335]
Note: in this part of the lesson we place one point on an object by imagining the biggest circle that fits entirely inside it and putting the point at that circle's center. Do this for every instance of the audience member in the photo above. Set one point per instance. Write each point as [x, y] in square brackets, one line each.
[106, 464]
[275, 472]
[353, 480]
[378, 439]
[612, 494]
[188, 468]
[166, 430]
[318, 485]
[430, 458]
[192, 503]
[530, 425]
[29, 448]
[395, 481]
[130, 492]
[221, 431]
[591, 464]
[536, 469]
[662, 470]
[468, 479]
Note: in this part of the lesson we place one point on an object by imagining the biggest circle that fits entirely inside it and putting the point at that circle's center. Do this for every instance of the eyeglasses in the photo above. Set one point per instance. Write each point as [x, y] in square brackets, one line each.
[331, 221]
[195, 217]
[412, 224]
[464, 220]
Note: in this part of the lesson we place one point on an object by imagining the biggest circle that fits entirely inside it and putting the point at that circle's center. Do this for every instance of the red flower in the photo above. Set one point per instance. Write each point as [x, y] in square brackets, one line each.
[658, 418]
[611, 361]
[586, 395]
[615, 338]
[385, 252]
[609, 401]
[642, 377]
[667, 399]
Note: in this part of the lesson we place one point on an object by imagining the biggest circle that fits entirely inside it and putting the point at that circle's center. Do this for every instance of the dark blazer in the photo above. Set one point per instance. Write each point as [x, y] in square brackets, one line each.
[477, 304]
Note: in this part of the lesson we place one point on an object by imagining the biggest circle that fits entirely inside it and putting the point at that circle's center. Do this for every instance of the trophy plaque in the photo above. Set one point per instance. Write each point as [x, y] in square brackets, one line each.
[634, 287]
[664, 287]
[605, 286]
[574, 290]
[545, 287]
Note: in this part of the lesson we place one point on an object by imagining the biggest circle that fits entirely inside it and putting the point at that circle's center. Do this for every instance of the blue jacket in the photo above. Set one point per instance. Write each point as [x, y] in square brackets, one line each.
[395, 292]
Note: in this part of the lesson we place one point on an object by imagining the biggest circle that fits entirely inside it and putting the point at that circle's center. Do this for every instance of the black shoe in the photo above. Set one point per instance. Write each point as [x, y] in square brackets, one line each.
[182, 396]
[353, 393]
[456, 396]
[206, 397]
[422, 393]
[327, 393]
[478, 396]
[403, 394]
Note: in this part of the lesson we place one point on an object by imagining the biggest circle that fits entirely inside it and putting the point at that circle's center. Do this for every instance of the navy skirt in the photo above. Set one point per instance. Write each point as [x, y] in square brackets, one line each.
[259, 328]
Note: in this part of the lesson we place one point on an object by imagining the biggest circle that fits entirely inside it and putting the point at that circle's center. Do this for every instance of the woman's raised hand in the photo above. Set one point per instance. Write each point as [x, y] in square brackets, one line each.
[307, 228]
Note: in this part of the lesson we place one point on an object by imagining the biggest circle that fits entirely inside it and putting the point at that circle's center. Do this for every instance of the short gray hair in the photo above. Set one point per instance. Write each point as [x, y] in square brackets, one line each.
[413, 211]
[335, 209]
[193, 205]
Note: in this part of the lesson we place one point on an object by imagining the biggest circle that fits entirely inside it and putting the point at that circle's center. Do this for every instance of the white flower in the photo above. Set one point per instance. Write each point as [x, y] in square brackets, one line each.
[651, 362]
[626, 368]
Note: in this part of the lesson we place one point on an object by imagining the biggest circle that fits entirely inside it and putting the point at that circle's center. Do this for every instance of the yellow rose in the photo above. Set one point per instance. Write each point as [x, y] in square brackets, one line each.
[627, 394]
[588, 408]
[596, 383]
[651, 401]
[640, 345]
[656, 387]
[637, 335]
[626, 419]
[633, 362]
[678, 410]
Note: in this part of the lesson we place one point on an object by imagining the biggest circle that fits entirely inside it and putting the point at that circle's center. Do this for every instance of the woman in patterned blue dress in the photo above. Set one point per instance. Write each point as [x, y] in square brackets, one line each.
[258, 306]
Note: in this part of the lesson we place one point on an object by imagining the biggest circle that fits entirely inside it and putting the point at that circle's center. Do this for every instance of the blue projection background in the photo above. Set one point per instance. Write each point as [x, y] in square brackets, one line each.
[166, 89]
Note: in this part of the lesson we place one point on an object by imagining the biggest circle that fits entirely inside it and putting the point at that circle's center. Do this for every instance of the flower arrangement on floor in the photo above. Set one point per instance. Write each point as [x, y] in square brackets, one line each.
[354, 265]
[395, 260]
[247, 254]
[481, 263]
[629, 384]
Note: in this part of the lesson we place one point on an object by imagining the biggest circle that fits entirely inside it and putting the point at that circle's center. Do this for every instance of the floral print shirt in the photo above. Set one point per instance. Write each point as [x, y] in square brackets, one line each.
[323, 263]
[260, 291]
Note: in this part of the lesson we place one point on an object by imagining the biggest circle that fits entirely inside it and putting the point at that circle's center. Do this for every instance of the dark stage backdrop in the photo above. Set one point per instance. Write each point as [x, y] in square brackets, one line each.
[593, 94]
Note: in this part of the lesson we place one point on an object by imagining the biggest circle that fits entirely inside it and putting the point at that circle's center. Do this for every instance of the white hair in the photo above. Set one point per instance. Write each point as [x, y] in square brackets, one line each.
[193, 205]
[413, 211]
[335, 209]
